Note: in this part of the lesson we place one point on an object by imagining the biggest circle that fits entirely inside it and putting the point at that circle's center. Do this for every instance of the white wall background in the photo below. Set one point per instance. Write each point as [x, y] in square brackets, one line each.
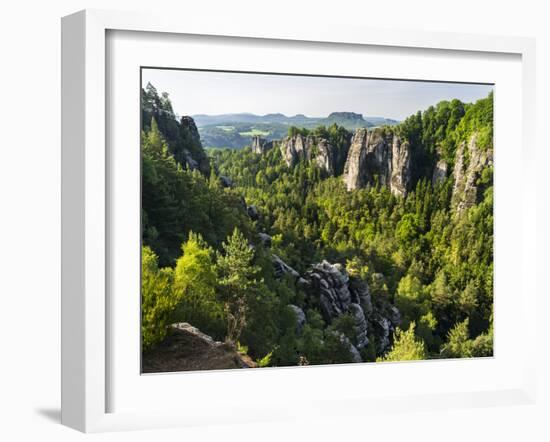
[30, 215]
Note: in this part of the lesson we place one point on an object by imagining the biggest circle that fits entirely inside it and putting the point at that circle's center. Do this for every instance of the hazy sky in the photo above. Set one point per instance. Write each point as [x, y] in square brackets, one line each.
[196, 92]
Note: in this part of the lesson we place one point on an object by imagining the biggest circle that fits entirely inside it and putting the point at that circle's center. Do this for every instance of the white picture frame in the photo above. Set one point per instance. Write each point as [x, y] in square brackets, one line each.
[87, 205]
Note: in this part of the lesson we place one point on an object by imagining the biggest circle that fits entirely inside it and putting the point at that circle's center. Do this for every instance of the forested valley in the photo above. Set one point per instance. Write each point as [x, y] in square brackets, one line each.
[326, 246]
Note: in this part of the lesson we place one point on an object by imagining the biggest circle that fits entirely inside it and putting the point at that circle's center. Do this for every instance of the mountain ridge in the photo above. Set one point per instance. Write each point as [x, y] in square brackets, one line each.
[237, 130]
[248, 117]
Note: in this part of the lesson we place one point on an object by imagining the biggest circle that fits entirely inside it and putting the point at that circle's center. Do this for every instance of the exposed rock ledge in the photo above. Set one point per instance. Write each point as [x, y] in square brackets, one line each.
[186, 348]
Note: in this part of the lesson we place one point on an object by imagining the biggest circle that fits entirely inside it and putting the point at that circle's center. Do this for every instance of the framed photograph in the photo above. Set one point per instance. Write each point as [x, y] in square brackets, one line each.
[263, 223]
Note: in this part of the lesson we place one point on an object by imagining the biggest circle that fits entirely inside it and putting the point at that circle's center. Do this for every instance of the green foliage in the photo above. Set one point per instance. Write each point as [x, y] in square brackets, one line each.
[335, 350]
[345, 324]
[195, 282]
[293, 131]
[242, 349]
[265, 361]
[406, 347]
[459, 344]
[176, 201]
[238, 282]
[157, 299]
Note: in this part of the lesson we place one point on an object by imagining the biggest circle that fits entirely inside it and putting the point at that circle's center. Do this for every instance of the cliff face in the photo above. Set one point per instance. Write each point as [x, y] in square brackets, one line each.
[440, 172]
[380, 157]
[309, 148]
[189, 151]
[470, 161]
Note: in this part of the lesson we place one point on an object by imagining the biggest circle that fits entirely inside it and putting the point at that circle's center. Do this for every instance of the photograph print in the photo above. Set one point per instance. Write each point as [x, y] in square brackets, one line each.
[300, 220]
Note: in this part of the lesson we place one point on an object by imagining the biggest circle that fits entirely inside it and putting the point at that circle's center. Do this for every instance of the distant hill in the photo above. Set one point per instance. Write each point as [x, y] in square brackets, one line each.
[236, 130]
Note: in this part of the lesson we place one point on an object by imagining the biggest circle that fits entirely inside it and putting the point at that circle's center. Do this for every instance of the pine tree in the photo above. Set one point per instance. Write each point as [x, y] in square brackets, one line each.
[238, 282]
[406, 347]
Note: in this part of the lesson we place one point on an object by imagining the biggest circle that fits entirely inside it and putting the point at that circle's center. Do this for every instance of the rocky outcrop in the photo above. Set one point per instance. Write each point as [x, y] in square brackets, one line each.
[260, 145]
[330, 290]
[191, 155]
[354, 169]
[354, 352]
[358, 315]
[440, 172]
[383, 322]
[300, 318]
[360, 294]
[328, 283]
[400, 173]
[378, 157]
[186, 348]
[281, 268]
[309, 148]
[470, 161]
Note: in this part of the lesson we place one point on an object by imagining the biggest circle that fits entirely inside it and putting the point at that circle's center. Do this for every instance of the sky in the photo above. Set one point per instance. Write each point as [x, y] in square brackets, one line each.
[214, 93]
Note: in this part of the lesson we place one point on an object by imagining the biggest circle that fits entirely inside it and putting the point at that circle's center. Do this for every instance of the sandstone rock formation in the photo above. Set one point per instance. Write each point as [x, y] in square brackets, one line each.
[193, 155]
[355, 355]
[358, 314]
[328, 283]
[378, 157]
[440, 172]
[470, 161]
[354, 169]
[300, 318]
[333, 292]
[400, 173]
[281, 268]
[309, 148]
[260, 145]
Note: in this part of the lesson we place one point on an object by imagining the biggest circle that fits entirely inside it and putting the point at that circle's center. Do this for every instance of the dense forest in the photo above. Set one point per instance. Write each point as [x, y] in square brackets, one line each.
[327, 246]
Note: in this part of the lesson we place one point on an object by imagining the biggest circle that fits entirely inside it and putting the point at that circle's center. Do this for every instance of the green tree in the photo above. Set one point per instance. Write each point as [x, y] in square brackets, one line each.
[406, 347]
[459, 344]
[195, 282]
[158, 300]
[238, 282]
